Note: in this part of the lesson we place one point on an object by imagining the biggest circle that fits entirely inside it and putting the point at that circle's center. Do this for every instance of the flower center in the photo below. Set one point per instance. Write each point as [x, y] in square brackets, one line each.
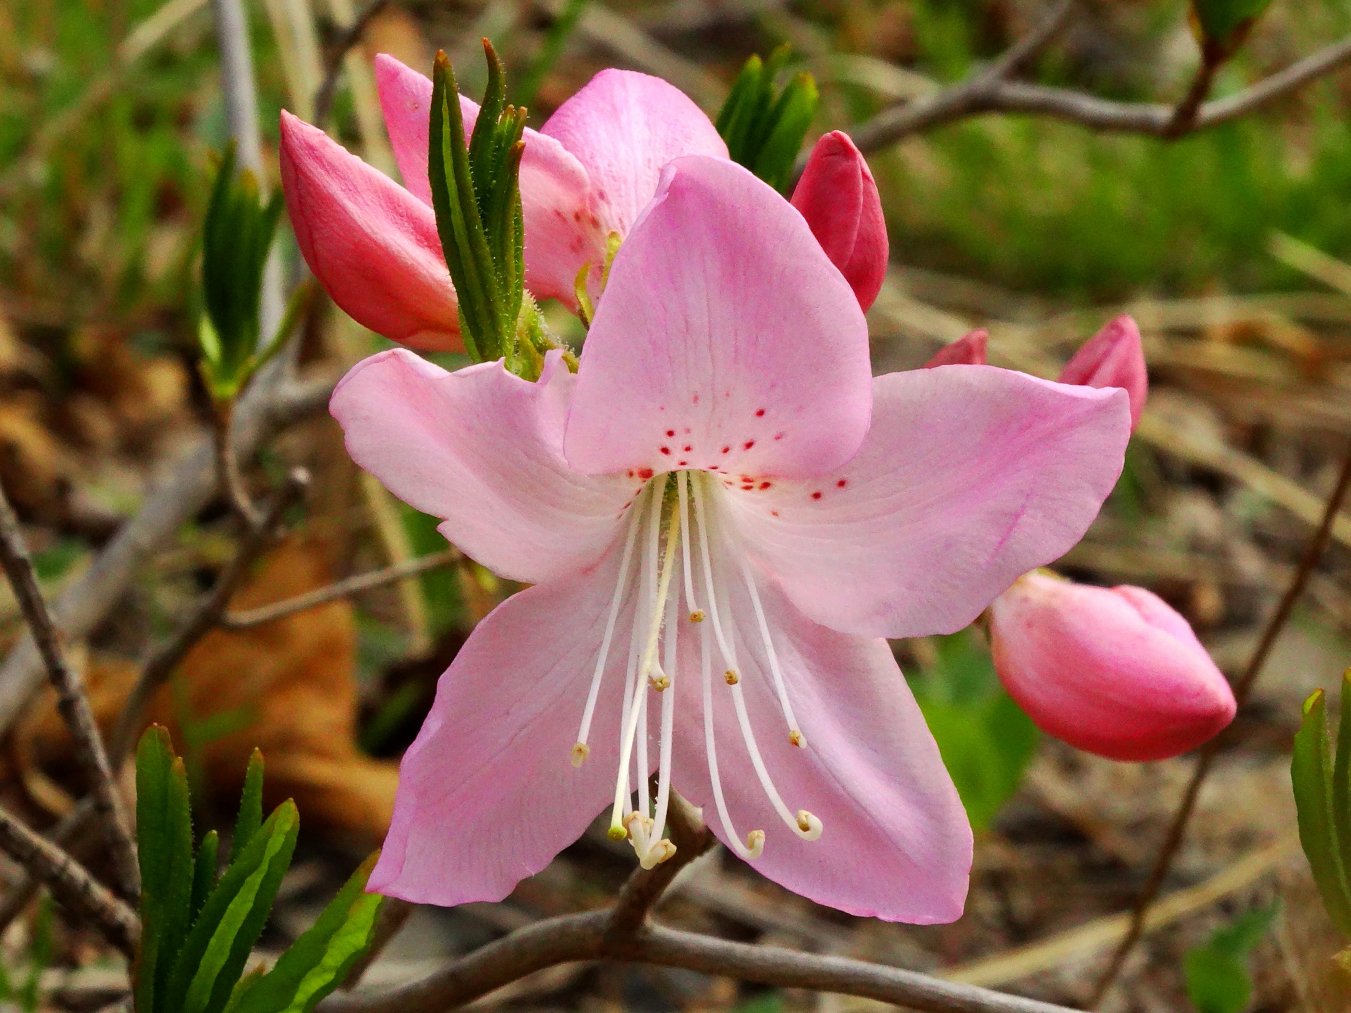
[670, 529]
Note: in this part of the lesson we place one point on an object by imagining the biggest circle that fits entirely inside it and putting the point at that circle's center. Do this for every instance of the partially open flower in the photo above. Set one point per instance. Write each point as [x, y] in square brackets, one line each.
[1113, 671]
[838, 197]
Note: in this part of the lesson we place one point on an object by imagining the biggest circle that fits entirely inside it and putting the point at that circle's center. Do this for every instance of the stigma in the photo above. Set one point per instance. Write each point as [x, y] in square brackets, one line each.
[672, 566]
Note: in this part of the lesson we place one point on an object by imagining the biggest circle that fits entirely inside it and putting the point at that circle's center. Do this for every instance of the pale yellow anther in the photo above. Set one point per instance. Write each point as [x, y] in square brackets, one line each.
[697, 616]
[617, 833]
[755, 843]
[731, 677]
[656, 853]
[659, 682]
[579, 753]
[795, 738]
[808, 825]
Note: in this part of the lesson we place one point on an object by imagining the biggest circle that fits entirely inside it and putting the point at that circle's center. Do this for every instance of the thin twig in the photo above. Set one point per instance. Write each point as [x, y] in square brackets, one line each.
[70, 883]
[333, 59]
[227, 467]
[1031, 45]
[1184, 115]
[1242, 689]
[71, 699]
[166, 658]
[646, 886]
[980, 95]
[64, 836]
[269, 403]
[248, 618]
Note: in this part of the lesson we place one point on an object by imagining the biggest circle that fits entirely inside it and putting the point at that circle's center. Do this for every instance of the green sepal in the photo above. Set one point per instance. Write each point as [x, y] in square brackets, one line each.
[319, 960]
[217, 946]
[236, 236]
[164, 844]
[1312, 776]
[1223, 25]
[250, 816]
[764, 129]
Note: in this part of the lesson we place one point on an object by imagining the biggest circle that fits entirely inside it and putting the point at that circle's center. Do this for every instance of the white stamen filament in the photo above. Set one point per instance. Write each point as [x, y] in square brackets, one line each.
[580, 750]
[755, 840]
[807, 828]
[794, 733]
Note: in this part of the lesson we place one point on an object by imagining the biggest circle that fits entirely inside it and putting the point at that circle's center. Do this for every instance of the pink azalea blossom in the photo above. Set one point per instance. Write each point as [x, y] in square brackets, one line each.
[723, 514]
[584, 175]
[1113, 671]
[838, 197]
[968, 350]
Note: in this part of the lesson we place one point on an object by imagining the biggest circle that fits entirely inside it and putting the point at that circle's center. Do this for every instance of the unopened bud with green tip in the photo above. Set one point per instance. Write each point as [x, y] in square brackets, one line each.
[1322, 784]
[236, 238]
[764, 127]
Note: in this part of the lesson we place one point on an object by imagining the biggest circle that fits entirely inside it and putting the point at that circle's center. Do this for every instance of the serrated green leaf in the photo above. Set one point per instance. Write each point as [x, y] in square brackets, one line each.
[1221, 19]
[164, 841]
[1311, 775]
[319, 960]
[250, 816]
[217, 947]
[204, 871]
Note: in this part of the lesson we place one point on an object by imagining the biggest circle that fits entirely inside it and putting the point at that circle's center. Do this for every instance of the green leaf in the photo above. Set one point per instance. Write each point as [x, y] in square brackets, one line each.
[764, 130]
[319, 960]
[1311, 775]
[204, 871]
[1224, 23]
[164, 842]
[1341, 774]
[250, 816]
[1217, 973]
[231, 920]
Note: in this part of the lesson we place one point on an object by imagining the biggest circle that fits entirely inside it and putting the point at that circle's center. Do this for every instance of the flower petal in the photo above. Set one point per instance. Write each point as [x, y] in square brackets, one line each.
[1114, 671]
[487, 793]
[372, 244]
[838, 197]
[896, 842]
[561, 233]
[969, 477]
[482, 449]
[725, 339]
[1114, 357]
[624, 127]
[968, 350]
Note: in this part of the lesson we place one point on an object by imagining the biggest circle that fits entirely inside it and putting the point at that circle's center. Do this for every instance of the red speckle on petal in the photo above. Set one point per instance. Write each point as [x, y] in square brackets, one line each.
[666, 450]
[688, 448]
[748, 444]
[670, 432]
[842, 483]
[644, 473]
[778, 436]
[726, 450]
[774, 513]
[681, 464]
[817, 494]
[765, 485]
[694, 399]
[759, 413]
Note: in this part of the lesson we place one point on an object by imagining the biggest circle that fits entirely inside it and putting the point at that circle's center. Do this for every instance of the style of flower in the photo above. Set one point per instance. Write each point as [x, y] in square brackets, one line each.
[723, 515]
[585, 175]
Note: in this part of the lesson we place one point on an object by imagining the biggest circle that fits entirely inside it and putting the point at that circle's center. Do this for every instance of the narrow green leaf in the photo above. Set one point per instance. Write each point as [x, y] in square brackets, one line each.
[1341, 771]
[250, 816]
[1221, 20]
[1311, 775]
[204, 871]
[790, 121]
[319, 960]
[164, 840]
[217, 947]
[764, 127]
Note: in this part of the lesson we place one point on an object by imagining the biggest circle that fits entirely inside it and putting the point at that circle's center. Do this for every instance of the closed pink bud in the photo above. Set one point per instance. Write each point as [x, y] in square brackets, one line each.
[1113, 671]
[968, 350]
[1114, 357]
[371, 243]
[838, 197]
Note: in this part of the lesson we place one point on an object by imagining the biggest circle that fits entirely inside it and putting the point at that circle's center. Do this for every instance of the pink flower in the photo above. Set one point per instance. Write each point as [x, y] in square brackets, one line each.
[588, 172]
[1114, 671]
[969, 350]
[838, 197]
[723, 514]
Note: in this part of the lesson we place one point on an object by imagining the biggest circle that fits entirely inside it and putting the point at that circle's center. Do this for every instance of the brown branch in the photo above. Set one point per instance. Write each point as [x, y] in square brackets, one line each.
[64, 836]
[1242, 690]
[270, 403]
[351, 36]
[165, 659]
[228, 472]
[356, 584]
[983, 94]
[646, 886]
[71, 699]
[71, 883]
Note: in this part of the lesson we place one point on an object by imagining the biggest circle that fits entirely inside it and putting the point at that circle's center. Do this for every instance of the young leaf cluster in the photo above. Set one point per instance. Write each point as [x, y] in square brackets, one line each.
[1322, 783]
[200, 922]
[476, 195]
[236, 237]
[1217, 974]
[764, 127]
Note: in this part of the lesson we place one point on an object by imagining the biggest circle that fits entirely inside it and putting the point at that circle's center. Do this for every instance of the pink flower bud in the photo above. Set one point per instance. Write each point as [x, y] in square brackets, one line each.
[838, 197]
[1113, 671]
[1113, 357]
[968, 350]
